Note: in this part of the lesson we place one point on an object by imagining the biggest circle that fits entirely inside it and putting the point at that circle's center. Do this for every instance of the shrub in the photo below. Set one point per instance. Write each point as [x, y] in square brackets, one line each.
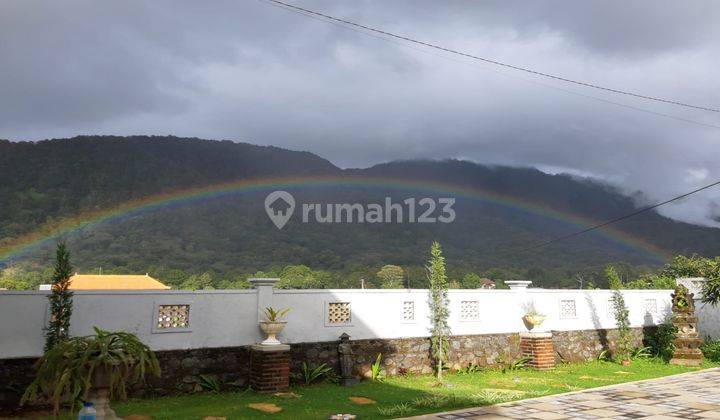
[309, 375]
[67, 369]
[210, 383]
[661, 341]
[711, 350]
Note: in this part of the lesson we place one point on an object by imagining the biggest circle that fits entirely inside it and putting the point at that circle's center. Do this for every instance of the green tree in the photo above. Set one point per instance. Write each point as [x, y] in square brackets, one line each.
[624, 342]
[391, 277]
[61, 301]
[695, 266]
[438, 302]
[613, 278]
[202, 281]
[471, 281]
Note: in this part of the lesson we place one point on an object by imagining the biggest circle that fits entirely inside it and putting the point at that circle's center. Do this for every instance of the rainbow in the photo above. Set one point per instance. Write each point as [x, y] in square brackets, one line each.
[46, 234]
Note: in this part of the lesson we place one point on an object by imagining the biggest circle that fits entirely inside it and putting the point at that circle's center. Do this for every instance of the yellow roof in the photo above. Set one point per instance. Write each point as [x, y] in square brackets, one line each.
[115, 282]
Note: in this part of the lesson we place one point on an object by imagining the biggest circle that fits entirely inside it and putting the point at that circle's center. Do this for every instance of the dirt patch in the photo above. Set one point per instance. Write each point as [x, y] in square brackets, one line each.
[362, 400]
[265, 407]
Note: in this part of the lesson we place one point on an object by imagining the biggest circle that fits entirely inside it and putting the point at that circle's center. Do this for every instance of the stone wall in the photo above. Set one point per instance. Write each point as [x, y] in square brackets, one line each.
[181, 369]
[412, 355]
[583, 345]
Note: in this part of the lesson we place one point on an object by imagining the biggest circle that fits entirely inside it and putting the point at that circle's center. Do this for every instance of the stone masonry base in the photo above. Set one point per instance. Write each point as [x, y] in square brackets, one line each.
[181, 369]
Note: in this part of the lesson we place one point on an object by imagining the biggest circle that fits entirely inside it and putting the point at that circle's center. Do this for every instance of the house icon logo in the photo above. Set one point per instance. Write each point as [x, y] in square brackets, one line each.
[279, 206]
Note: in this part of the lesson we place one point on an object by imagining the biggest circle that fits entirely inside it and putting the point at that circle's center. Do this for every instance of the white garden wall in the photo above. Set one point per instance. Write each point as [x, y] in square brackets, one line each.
[229, 318]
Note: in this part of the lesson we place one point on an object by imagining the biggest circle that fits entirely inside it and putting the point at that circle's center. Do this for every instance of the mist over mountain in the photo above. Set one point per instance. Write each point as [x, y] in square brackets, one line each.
[231, 233]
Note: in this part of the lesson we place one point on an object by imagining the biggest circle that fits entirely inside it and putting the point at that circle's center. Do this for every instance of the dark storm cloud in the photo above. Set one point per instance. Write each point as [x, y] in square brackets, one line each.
[248, 71]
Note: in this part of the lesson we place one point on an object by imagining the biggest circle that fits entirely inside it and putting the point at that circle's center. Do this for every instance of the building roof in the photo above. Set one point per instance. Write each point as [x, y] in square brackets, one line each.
[115, 282]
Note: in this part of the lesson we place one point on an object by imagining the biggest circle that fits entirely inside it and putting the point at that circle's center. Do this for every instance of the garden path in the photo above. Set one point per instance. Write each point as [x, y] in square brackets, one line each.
[693, 395]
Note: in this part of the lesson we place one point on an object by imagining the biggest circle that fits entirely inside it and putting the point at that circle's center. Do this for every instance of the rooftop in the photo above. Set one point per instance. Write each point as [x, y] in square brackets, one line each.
[115, 282]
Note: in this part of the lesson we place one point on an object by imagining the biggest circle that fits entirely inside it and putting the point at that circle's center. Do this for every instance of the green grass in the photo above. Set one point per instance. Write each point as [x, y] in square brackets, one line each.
[404, 396]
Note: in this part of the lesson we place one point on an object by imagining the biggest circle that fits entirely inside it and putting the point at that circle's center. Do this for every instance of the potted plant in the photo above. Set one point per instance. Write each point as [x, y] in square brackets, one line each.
[533, 319]
[95, 367]
[273, 324]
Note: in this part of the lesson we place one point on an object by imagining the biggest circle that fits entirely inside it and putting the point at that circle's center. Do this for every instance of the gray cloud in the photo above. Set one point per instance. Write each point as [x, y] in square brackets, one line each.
[249, 71]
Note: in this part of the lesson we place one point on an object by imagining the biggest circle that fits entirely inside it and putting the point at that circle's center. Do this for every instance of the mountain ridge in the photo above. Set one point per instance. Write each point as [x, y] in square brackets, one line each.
[60, 178]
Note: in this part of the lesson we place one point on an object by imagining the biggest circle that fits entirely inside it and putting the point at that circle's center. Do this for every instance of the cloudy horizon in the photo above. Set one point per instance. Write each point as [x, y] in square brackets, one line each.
[251, 72]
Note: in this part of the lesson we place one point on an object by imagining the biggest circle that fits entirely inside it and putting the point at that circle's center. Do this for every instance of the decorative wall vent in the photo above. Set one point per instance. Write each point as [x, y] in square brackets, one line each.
[469, 310]
[172, 316]
[651, 306]
[338, 313]
[568, 309]
[408, 311]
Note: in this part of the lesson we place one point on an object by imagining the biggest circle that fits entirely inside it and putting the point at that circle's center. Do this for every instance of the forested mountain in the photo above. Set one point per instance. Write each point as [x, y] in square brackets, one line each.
[229, 235]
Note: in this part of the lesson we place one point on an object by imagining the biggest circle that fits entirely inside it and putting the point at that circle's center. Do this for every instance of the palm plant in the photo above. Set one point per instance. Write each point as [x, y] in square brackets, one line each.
[71, 368]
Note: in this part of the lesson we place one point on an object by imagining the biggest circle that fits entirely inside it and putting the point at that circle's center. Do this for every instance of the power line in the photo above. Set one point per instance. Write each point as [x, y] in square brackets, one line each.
[308, 12]
[615, 220]
[536, 82]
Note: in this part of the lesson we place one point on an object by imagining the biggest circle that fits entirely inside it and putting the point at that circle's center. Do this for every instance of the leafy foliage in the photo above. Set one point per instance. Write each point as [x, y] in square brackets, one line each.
[624, 342]
[309, 375]
[376, 368]
[210, 383]
[641, 353]
[696, 266]
[711, 350]
[439, 312]
[60, 298]
[613, 278]
[391, 277]
[661, 342]
[274, 315]
[513, 365]
[471, 368]
[67, 369]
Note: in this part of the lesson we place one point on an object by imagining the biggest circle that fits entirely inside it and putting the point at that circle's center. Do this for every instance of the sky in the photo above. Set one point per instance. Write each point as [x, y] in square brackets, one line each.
[246, 70]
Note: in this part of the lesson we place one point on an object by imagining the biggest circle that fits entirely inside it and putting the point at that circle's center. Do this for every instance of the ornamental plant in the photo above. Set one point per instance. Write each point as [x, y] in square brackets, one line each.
[438, 302]
[67, 371]
[61, 301]
[624, 343]
[275, 315]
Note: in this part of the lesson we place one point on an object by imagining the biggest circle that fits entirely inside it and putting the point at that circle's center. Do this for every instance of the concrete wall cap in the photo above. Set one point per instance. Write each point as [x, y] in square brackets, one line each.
[268, 349]
[263, 281]
[535, 335]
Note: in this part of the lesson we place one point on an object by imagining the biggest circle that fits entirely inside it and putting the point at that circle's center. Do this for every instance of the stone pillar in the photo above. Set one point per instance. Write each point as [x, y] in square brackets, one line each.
[270, 368]
[264, 288]
[539, 347]
[518, 284]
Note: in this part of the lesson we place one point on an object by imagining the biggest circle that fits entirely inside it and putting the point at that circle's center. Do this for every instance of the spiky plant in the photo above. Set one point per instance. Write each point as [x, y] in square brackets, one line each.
[66, 371]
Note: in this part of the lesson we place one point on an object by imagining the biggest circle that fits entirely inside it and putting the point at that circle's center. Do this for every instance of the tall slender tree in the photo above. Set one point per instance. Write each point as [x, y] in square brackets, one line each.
[624, 342]
[439, 312]
[58, 328]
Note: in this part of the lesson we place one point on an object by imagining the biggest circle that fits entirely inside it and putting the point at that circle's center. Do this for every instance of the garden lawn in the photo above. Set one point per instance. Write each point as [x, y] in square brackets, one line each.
[403, 396]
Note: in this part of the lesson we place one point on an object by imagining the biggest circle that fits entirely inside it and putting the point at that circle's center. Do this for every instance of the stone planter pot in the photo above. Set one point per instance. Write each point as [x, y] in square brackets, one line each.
[532, 321]
[99, 395]
[272, 329]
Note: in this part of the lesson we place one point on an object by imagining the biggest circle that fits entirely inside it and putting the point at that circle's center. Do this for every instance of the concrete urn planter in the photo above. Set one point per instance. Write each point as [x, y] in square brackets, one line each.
[99, 395]
[272, 329]
[532, 321]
